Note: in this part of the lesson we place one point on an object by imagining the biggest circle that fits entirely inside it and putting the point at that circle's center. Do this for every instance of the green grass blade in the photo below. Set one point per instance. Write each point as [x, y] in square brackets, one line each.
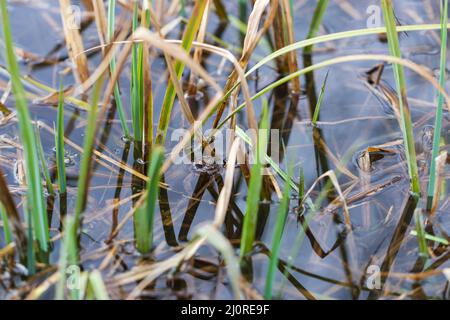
[98, 286]
[35, 189]
[431, 238]
[86, 160]
[420, 232]
[68, 259]
[7, 235]
[44, 165]
[59, 144]
[316, 21]
[112, 67]
[276, 241]
[136, 78]
[255, 185]
[31, 254]
[440, 104]
[319, 102]
[333, 37]
[169, 98]
[406, 124]
[144, 216]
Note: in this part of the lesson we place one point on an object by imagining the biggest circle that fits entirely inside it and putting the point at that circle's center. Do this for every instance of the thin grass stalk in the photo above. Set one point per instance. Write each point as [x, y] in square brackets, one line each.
[319, 102]
[276, 241]
[44, 166]
[74, 41]
[112, 67]
[59, 144]
[255, 187]
[136, 81]
[35, 189]
[406, 63]
[68, 259]
[301, 185]
[97, 285]
[406, 124]
[188, 37]
[430, 237]
[13, 217]
[440, 104]
[333, 37]
[420, 231]
[316, 21]
[31, 254]
[221, 11]
[144, 216]
[86, 160]
[7, 235]
[440, 162]
[147, 142]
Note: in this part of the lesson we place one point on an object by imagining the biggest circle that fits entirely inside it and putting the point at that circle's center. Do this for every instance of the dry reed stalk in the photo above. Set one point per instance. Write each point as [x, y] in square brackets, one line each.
[74, 41]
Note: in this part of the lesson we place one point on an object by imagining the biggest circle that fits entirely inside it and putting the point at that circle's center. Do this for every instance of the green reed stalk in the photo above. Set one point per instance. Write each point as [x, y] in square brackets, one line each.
[7, 235]
[316, 21]
[35, 190]
[44, 166]
[169, 98]
[144, 216]
[97, 286]
[421, 235]
[255, 186]
[319, 102]
[59, 144]
[406, 123]
[68, 259]
[86, 163]
[276, 241]
[440, 104]
[112, 67]
[137, 78]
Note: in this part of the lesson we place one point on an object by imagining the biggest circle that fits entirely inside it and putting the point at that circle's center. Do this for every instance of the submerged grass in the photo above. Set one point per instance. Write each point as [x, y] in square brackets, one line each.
[6, 228]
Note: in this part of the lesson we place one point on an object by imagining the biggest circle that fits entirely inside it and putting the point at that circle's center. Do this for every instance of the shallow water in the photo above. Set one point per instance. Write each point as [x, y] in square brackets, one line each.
[329, 263]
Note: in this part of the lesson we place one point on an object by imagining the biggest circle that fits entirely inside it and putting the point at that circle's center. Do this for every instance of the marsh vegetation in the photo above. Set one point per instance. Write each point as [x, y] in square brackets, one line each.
[213, 149]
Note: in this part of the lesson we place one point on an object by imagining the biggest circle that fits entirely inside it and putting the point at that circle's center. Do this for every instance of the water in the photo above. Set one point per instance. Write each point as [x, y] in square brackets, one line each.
[329, 263]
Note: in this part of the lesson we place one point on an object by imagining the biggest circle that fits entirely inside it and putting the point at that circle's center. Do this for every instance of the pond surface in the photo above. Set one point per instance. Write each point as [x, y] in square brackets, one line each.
[330, 263]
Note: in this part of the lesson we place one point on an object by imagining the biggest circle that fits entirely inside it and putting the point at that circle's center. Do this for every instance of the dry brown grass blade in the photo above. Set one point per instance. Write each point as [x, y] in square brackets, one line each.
[225, 194]
[100, 21]
[74, 41]
[192, 90]
[251, 40]
[332, 176]
[440, 164]
[292, 56]
[18, 230]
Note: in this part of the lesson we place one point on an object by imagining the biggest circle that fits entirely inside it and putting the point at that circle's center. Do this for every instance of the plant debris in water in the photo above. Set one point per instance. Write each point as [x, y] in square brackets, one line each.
[214, 149]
